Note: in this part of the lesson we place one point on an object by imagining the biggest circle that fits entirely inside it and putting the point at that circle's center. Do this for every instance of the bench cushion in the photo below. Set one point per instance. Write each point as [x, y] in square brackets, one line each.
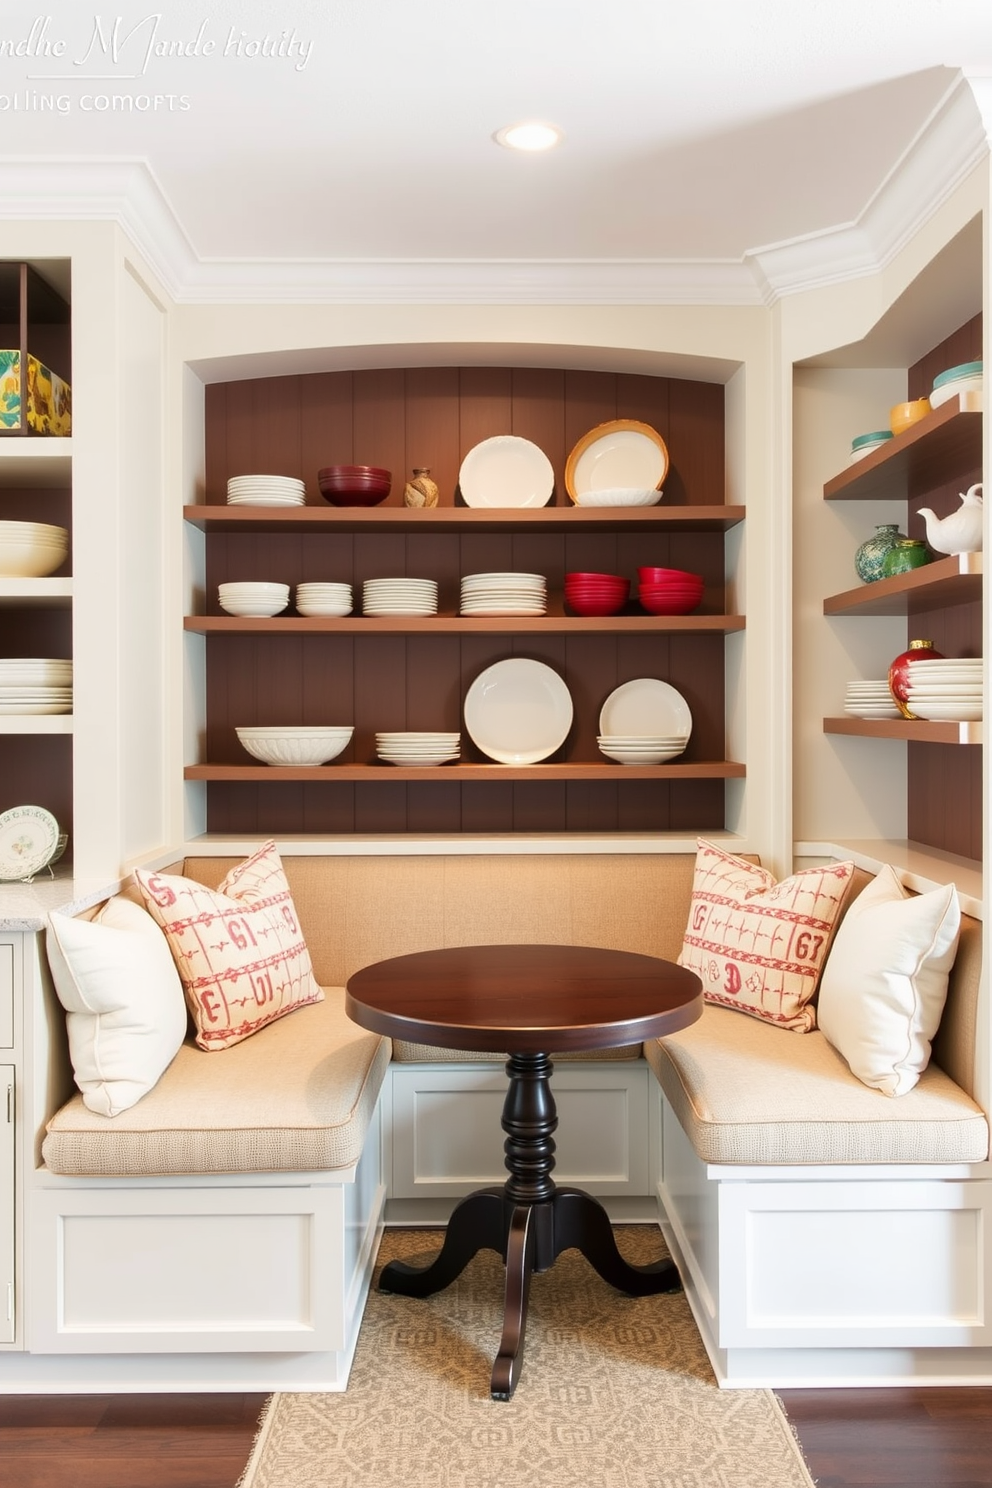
[747, 1092]
[297, 1096]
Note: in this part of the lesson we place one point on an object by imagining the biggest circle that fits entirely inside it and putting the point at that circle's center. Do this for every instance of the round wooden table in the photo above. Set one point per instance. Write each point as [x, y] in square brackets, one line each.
[524, 1000]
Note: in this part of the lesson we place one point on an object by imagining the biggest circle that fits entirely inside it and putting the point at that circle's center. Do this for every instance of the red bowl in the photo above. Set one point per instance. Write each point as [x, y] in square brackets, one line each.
[597, 588]
[590, 605]
[667, 605]
[660, 591]
[336, 472]
[596, 578]
[354, 498]
[667, 575]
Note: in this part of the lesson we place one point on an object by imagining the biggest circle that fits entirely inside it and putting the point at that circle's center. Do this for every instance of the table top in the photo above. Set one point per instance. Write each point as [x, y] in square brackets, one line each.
[526, 999]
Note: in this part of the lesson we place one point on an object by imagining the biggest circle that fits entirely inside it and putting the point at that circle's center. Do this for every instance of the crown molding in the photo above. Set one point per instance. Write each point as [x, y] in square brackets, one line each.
[944, 151]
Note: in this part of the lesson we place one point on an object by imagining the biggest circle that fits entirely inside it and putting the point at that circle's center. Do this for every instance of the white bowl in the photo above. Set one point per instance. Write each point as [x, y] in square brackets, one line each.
[323, 607]
[259, 609]
[297, 747]
[31, 550]
[253, 589]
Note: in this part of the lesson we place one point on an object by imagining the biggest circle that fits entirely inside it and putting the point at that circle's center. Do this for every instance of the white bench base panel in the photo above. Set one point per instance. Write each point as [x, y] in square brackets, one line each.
[811, 1277]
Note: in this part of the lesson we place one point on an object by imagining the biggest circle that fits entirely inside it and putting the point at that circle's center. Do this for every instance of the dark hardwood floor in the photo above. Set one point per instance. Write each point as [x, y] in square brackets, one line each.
[906, 1438]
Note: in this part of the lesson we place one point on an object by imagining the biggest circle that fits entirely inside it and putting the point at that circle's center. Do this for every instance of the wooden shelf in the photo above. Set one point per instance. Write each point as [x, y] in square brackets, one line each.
[948, 581]
[461, 624]
[917, 731]
[457, 774]
[946, 443]
[37, 462]
[45, 594]
[36, 723]
[219, 518]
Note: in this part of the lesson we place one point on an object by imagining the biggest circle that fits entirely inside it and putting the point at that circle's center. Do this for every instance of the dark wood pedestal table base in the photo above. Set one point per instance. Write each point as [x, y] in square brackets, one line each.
[525, 1000]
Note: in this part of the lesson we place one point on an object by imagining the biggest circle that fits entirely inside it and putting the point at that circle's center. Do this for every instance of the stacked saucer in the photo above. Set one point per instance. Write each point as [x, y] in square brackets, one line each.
[35, 685]
[504, 594]
[399, 597]
[265, 490]
[407, 748]
[323, 599]
[946, 689]
[870, 700]
[641, 749]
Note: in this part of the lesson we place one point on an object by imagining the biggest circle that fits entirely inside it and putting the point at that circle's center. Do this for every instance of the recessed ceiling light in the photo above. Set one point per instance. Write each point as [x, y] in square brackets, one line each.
[530, 136]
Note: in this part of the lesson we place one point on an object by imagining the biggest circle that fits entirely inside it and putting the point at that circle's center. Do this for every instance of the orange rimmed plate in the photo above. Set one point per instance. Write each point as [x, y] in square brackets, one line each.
[620, 454]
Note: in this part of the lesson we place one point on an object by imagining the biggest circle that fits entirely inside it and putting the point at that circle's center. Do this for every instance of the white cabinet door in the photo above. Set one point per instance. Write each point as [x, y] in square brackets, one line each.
[6, 1203]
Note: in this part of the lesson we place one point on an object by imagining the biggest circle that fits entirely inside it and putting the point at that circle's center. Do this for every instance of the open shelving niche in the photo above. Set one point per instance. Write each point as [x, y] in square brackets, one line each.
[927, 464]
[36, 485]
[412, 672]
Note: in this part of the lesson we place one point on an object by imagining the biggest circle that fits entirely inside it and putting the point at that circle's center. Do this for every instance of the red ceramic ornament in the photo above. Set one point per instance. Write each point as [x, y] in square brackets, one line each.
[899, 672]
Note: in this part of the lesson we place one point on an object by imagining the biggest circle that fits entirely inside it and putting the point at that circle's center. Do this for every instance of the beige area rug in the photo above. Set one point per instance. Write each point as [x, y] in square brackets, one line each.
[615, 1392]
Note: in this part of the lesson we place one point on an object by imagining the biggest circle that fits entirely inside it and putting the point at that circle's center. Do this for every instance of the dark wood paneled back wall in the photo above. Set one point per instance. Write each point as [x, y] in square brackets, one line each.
[945, 795]
[402, 419]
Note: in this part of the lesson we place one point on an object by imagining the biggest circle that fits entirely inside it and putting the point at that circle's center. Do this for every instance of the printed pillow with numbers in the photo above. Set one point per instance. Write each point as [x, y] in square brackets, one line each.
[757, 945]
[239, 949]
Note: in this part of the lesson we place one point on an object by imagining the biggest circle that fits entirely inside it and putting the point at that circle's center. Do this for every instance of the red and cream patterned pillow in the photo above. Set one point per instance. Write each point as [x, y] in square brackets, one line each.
[757, 945]
[239, 949]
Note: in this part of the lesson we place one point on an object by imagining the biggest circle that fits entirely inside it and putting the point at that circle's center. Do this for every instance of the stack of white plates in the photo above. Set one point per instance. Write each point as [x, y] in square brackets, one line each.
[870, 700]
[504, 594]
[408, 748]
[35, 685]
[253, 597]
[641, 749]
[645, 717]
[265, 490]
[949, 689]
[323, 599]
[399, 597]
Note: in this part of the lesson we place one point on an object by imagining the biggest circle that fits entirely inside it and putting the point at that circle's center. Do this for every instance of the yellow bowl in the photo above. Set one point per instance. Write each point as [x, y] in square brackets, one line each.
[905, 414]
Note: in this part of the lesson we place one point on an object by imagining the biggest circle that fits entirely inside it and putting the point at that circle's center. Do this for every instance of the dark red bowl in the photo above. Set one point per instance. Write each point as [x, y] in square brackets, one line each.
[354, 498]
[364, 472]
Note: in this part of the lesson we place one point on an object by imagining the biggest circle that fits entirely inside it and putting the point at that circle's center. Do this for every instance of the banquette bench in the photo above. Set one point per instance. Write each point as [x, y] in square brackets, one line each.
[221, 1232]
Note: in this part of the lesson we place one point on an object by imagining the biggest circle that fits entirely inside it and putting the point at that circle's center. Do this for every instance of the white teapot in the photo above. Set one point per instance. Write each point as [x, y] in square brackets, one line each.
[961, 532]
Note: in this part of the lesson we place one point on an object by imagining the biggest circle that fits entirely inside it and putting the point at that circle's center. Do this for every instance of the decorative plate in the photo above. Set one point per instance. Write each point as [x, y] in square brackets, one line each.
[518, 711]
[29, 836]
[620, 454]
[506, 471]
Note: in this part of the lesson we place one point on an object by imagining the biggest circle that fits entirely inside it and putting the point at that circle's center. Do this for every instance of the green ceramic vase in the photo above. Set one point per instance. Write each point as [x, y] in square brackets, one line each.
[870, 557]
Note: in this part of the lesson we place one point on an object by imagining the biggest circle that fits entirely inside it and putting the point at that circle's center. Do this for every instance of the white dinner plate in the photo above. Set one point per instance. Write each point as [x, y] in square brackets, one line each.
[518, 711]
[28, 838]
[623, 454]
[506, 471]
[962, 712]
[648, 706]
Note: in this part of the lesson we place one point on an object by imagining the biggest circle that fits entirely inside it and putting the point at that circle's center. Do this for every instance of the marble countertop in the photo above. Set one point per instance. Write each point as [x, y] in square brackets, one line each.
[25, 906]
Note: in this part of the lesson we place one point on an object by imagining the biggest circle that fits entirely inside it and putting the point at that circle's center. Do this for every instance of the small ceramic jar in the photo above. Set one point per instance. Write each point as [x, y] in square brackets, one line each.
[870, 557]
[899, 672]
[908, 553]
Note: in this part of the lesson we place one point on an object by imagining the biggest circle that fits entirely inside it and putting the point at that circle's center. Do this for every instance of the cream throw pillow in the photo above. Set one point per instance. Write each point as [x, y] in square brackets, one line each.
[125, 1011]
[239, 949]
[757, 945]
[885, 982]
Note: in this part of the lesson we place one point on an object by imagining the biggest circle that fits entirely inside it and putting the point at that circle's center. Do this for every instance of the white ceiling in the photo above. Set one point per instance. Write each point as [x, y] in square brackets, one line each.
[692, 132]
